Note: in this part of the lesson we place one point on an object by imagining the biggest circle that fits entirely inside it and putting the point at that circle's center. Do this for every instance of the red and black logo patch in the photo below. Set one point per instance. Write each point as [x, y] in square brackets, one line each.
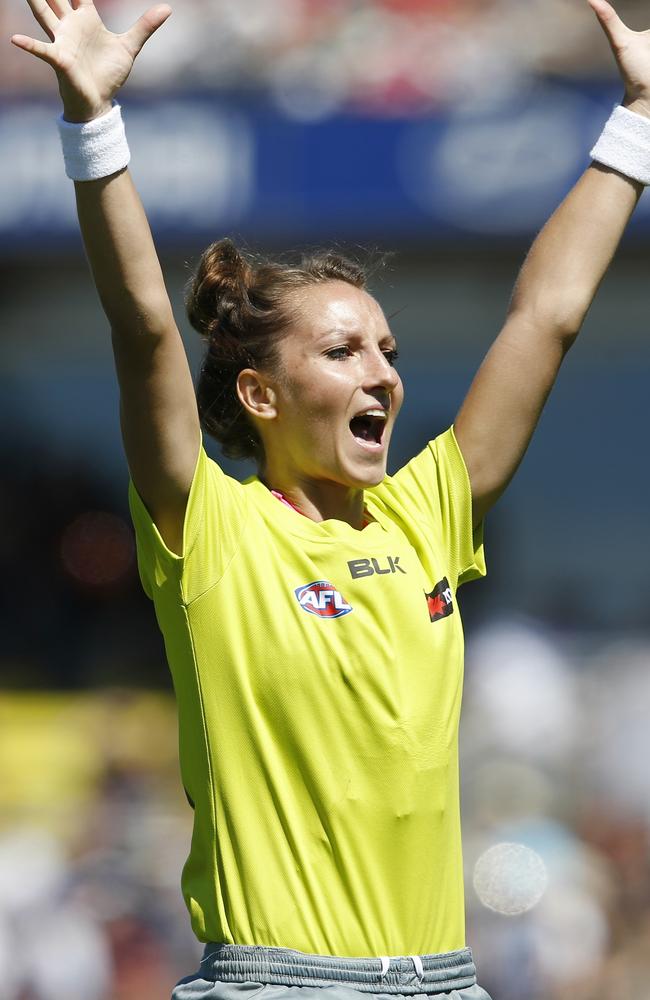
[440, 601]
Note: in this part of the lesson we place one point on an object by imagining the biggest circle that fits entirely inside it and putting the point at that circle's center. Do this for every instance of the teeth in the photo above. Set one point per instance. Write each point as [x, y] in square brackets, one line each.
[374, 413]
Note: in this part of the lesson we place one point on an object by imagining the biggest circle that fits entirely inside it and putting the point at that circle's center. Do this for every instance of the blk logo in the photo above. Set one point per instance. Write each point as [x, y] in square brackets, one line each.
[372, 567]
[323, 600]
[440, 601]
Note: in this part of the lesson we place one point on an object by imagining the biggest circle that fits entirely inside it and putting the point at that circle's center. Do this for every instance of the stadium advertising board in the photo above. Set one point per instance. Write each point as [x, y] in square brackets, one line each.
[205, 166]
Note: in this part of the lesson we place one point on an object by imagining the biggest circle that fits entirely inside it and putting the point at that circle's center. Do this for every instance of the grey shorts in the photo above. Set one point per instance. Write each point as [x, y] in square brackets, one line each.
[244, 972]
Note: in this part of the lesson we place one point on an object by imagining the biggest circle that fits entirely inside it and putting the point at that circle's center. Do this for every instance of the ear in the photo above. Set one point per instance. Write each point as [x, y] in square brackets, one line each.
[256, 395]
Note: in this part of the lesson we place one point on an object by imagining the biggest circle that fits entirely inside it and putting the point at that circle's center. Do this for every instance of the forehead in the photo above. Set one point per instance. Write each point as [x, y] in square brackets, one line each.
[338, 306]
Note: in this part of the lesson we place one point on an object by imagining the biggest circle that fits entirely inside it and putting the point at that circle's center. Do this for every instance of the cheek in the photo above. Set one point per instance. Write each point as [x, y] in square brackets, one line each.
[312, 418]
[398, 397]
[316, 397]
[323, 396]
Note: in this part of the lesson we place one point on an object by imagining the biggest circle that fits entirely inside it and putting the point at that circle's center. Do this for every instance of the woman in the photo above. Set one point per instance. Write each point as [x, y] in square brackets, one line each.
[310, 614]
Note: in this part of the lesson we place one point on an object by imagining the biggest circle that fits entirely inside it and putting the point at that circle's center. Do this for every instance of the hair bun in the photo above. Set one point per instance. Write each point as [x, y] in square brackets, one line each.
[218, 293]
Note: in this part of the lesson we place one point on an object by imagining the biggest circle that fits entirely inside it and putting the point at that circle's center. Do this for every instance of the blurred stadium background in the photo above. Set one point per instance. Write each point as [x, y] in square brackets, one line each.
[445, 131]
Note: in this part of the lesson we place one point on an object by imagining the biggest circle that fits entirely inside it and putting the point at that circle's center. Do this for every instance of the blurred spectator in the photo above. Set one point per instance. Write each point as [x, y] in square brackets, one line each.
[317, 56]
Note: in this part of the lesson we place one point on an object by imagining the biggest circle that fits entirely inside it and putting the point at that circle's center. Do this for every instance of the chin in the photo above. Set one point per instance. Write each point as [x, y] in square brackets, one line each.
[375, 479]
[363, 479]
[359, 471]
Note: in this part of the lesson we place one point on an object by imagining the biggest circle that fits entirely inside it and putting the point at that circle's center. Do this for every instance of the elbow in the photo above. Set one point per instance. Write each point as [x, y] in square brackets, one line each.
[145, 315]
[561, 323]
[567, 321]
[141, 323]
[566, 330]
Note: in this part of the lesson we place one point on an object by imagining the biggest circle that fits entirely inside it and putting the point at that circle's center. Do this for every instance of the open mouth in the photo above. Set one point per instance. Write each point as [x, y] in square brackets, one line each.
[368, 428]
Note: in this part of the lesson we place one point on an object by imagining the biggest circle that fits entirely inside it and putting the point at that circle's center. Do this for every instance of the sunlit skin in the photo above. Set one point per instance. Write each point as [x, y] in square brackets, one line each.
[336, 360]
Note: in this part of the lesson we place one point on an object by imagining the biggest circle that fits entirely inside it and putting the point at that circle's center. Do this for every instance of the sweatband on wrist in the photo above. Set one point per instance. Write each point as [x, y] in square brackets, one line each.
[94, 149]
[624, 144]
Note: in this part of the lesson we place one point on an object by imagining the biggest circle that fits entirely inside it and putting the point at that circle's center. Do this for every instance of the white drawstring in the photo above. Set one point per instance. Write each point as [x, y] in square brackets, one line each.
[417, 962]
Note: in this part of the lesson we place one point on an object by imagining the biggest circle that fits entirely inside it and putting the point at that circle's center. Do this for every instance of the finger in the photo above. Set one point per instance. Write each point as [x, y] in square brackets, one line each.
[60, 7]
[145, 26]
[43, 50]
[44, 15]
[617, 32]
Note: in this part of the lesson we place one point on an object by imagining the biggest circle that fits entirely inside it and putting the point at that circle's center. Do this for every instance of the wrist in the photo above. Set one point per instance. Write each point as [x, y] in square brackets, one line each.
[624, 144]
[96, 148]
[79, 116]
[79, 107]
[639, 105]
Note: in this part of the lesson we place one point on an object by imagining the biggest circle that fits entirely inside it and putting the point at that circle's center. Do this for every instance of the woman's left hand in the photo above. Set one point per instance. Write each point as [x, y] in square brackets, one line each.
[632, 53]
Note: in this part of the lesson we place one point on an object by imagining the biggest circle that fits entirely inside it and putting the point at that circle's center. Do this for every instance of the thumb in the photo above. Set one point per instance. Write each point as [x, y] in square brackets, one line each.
[145, 26]
[611, 23]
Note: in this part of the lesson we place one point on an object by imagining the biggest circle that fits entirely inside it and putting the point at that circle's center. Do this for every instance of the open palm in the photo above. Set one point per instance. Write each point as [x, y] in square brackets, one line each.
[631, 50]
[91, 62]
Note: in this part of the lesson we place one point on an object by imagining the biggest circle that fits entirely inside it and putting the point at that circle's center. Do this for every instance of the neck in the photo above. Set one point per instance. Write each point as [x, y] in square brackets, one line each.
[320, 501]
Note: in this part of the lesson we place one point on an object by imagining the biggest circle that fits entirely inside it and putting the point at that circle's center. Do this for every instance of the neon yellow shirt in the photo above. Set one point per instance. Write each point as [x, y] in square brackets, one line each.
[318, 673]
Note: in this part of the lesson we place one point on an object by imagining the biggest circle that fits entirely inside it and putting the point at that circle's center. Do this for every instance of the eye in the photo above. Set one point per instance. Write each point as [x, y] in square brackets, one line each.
[391, 355]
[339, 353]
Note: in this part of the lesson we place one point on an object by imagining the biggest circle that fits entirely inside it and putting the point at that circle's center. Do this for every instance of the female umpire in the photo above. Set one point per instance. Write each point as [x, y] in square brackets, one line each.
[310, 614]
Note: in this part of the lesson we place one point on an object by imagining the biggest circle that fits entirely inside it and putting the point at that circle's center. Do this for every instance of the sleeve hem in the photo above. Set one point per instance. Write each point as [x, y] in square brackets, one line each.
[145, 517]
[477, 568]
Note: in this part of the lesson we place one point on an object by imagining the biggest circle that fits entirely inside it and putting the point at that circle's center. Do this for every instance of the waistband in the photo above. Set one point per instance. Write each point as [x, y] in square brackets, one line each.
[406, 974]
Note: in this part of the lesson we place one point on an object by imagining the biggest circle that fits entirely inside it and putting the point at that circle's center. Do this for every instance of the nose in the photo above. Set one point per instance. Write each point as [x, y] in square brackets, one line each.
[380, 374]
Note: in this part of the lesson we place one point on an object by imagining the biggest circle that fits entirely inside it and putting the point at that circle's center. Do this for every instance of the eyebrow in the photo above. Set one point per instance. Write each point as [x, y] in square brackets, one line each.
[337, 332]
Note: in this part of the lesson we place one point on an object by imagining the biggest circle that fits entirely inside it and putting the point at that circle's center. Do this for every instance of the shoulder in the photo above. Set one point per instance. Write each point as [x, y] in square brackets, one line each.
[422, 478]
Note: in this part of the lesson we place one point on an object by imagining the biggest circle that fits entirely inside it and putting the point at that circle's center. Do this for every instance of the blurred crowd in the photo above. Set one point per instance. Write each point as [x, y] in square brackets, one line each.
[556, 801]
[72, 611]
[93, 830]
[314, 57]
[555, 743]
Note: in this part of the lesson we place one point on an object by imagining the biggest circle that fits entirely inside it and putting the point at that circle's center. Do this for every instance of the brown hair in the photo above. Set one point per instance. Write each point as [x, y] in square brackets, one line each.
[241, 306]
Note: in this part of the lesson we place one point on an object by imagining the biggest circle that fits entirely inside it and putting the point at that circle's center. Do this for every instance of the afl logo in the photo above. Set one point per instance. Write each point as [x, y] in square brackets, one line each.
[323, 600]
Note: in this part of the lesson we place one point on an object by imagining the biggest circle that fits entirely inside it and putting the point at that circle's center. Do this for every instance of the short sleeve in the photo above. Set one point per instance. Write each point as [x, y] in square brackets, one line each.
[433, 491]
[214, 522]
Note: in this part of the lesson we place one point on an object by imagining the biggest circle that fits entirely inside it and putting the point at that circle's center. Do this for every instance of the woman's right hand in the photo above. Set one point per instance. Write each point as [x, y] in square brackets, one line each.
[91, 62]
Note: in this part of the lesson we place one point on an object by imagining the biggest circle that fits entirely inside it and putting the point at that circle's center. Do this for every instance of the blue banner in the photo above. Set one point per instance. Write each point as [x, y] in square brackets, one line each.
[206, 166]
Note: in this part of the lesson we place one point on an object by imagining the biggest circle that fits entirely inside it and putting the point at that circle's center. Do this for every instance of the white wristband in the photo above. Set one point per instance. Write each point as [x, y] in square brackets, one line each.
[94, 149]
[624, 144]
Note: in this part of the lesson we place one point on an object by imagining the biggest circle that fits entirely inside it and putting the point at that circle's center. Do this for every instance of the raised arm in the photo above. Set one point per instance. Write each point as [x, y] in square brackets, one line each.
[553, 293]
[159, 417]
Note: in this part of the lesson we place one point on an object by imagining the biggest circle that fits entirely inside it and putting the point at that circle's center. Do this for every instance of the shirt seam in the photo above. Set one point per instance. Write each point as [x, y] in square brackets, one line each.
[208, 754]
[187, 603]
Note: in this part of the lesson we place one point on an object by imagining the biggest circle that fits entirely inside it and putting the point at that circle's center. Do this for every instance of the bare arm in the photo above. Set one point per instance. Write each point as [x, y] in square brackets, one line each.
[552, 296]
[158, 408]
[158, 413]
[553, 293]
